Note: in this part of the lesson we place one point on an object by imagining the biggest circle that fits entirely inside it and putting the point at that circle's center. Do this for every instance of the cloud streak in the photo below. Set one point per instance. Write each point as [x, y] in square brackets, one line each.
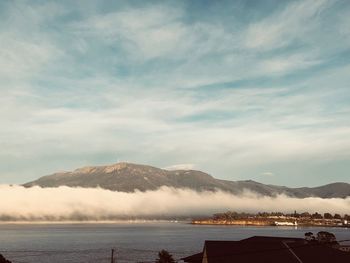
[65, 203]
[229, 88]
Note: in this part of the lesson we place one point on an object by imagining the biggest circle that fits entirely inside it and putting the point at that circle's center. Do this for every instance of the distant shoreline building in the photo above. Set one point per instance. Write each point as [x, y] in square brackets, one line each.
[286, 223]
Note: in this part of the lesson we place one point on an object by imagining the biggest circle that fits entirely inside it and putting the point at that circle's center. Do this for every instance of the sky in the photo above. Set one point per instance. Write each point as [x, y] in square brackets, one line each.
[243, 90]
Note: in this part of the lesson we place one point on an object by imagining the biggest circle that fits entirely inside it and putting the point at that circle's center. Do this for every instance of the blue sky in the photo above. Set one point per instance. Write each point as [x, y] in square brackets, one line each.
[241, 89]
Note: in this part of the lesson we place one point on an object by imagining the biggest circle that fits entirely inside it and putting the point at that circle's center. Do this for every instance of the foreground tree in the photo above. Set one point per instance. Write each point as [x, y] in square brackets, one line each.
[309, 236]
[165, 257]
[326, 238]
[4, 260]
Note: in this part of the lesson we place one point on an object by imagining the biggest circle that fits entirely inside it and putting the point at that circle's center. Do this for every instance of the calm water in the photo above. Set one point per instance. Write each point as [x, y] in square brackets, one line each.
[134, 242]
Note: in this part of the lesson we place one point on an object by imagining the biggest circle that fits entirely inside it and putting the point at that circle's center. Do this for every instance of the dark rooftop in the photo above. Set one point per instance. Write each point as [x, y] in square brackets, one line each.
[268, 249]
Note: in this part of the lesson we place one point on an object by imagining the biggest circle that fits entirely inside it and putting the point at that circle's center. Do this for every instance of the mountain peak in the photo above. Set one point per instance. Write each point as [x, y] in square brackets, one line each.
[105, 168]
[127, 177]
[115, 167]
[86, 169]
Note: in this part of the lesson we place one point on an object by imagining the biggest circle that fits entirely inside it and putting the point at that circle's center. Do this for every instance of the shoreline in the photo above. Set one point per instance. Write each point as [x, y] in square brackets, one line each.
[238, 223]
[262, 224]
[87, 222]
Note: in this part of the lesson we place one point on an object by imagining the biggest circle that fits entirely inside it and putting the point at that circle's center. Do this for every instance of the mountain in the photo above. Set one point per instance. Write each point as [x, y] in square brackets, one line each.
[127, 177]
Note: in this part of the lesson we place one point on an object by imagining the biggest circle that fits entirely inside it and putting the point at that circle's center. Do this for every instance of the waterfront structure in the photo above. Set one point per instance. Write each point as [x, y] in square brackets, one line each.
[285, 223]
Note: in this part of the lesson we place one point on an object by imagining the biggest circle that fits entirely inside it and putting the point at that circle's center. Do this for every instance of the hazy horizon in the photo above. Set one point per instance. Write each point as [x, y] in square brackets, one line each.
[66, 203]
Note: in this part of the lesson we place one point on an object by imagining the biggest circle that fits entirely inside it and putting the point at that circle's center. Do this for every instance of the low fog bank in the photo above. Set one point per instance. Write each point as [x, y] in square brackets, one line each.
[66, 204]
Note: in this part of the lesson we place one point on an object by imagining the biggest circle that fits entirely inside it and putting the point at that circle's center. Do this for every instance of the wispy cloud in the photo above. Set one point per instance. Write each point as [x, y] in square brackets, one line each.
[268, 174]
[293, 23]
[183, 166]
[165, 84]
[24, 50]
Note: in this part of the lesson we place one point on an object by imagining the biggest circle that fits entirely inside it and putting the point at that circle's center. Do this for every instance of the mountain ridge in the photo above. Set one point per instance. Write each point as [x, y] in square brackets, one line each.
[128, 177]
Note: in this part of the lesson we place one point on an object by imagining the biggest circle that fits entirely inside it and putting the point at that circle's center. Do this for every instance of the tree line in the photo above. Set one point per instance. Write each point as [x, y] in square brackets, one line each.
[232, 215]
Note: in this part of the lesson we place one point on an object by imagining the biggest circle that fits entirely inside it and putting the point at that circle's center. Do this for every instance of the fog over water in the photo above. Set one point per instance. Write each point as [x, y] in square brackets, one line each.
[66, 203]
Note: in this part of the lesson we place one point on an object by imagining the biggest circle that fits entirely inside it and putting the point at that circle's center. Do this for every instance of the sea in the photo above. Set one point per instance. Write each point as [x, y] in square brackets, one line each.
[132, 241]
